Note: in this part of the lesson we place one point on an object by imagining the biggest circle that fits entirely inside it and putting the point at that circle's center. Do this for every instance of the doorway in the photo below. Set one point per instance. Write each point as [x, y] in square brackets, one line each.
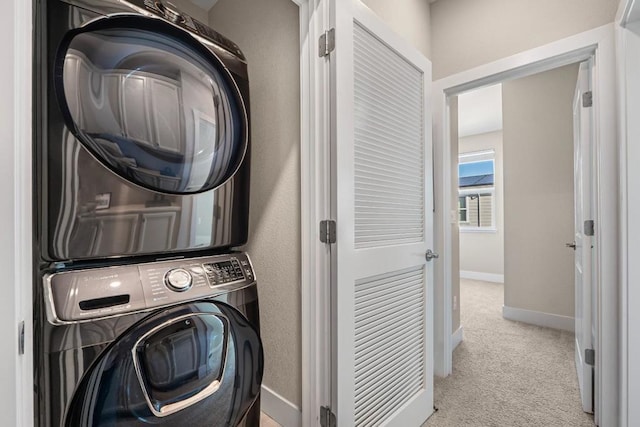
[597, 44]
[515, 195]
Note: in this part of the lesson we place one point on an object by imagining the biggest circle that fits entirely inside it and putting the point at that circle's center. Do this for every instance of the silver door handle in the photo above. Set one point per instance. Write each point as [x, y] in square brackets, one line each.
[571, 245]
[160, 409]
[431, 255]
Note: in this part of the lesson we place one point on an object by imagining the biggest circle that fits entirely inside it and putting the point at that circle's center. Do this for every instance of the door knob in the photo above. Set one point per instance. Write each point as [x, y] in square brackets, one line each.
[571, 245]
[431, 255]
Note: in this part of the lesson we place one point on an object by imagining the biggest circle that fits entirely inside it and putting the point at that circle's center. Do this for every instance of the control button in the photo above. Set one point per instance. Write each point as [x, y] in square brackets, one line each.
[178, 279]
[189, 22]
[150, 4]
[170, 11]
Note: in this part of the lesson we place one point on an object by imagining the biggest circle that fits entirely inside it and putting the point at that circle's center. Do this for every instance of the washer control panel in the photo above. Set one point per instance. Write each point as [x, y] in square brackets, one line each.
[229, 271]
[80, 295]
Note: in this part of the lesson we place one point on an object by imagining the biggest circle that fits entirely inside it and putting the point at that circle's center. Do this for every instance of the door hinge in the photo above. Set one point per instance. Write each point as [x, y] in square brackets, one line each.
[590, 356]
[587, 99]
[327, 43]
[589, 228]
[327, 418]
[328, 231]
[21, 338]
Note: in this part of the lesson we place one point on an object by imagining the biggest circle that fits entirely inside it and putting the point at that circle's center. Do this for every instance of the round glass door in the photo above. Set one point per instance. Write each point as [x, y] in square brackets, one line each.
[199, 365]
[152, 104]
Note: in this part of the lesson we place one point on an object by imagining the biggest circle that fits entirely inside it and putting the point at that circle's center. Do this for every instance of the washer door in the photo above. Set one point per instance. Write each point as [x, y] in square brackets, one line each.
[152, 104]
[195, 365]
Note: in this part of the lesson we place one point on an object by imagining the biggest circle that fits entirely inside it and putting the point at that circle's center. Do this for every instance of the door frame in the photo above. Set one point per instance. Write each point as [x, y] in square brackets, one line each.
[599, 44]
[582, 257]
[315, 206]
[16, 214]
[628, 43]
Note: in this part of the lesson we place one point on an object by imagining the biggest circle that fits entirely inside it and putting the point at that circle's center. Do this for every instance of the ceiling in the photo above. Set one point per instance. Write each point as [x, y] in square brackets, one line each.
[480, 111]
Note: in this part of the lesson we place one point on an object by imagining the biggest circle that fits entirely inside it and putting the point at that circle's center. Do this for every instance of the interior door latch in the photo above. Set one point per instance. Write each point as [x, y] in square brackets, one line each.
[430, 255]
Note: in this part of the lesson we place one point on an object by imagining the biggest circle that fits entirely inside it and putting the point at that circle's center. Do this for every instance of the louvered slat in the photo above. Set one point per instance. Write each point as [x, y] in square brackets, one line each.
[383, 284]
[389, 145]
[390, 329]
[389, 336]
[378, 326]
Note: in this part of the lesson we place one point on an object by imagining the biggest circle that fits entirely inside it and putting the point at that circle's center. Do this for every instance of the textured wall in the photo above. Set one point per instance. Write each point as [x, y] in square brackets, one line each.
[468, 33]
[484, 252]
[408, 18]
[538, 191]
[267, 31]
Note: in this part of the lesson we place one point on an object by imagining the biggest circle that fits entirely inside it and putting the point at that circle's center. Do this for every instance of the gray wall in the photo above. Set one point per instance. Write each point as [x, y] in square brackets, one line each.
[538, 191]
[483, 252]
[468, 33]
[408, 18]
[268, 34]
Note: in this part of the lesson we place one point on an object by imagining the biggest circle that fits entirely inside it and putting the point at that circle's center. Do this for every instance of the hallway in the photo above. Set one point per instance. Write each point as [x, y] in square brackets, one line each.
[507, 373]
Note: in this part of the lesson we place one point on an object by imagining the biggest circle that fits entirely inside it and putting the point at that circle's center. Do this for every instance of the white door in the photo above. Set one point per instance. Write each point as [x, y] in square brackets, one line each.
[583, 189]
[382, 285]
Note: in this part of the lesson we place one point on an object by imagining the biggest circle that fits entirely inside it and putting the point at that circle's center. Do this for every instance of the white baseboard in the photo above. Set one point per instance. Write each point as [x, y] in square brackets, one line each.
[539, 318]
[279, 409]
[456, 338]
[485, 277]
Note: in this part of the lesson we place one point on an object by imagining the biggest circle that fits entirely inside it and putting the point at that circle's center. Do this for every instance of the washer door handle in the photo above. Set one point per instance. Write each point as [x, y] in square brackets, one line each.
[162, 410]
[171, 408]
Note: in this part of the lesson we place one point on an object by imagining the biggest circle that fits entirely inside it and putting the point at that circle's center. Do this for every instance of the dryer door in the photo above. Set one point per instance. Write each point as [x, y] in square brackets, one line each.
[195, 365]
[151, 103]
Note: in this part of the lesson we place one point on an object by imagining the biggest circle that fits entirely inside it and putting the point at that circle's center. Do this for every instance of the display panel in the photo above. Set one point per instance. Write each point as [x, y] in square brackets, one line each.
[224, 272]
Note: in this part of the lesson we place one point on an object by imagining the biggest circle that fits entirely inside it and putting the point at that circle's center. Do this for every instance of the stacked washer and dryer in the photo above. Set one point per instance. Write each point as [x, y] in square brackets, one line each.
[144, 312]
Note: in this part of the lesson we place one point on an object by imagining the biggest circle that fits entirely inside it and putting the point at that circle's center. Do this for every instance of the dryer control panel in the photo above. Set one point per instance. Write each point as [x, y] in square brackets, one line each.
[81, 295]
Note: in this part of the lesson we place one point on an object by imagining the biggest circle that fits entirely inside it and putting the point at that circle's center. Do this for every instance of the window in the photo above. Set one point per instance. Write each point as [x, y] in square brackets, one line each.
[476, 190]
[462, 209]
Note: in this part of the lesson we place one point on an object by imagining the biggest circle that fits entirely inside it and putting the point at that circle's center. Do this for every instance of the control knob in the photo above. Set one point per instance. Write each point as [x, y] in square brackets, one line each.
[178, 279]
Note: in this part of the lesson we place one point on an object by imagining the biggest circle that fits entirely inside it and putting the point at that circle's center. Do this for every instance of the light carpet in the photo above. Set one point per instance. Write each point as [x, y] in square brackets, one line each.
[506, 373]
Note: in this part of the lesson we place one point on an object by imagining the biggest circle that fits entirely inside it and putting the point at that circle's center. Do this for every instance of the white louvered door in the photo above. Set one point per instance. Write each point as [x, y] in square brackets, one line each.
[383, 204]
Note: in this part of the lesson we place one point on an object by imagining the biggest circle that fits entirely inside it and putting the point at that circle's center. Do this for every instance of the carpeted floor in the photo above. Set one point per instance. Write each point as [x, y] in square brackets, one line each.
[505, 373]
